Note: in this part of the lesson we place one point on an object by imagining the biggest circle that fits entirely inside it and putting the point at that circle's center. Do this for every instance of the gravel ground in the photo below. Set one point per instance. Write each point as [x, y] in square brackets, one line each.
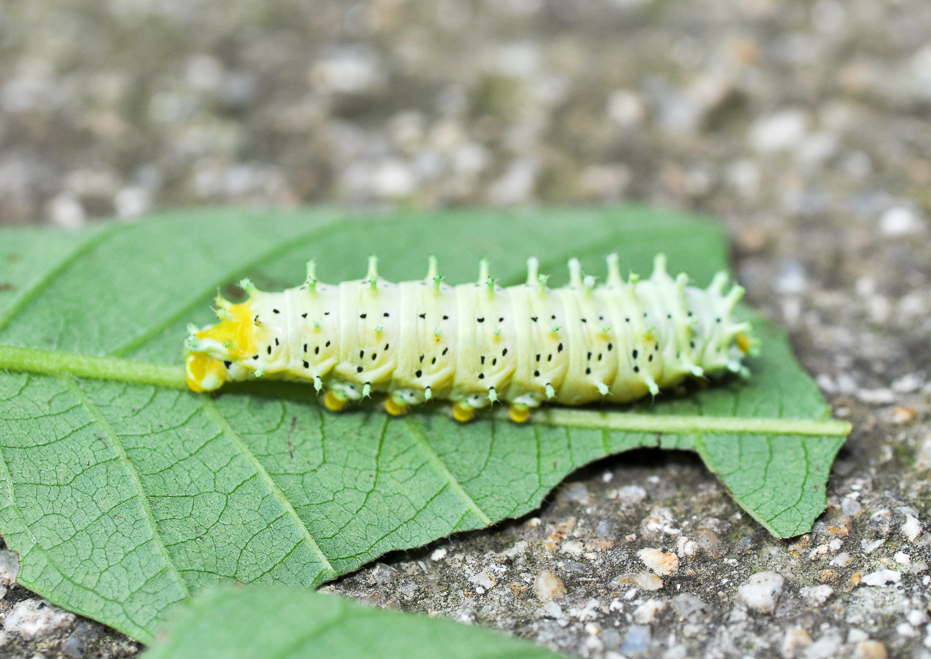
[803, 126]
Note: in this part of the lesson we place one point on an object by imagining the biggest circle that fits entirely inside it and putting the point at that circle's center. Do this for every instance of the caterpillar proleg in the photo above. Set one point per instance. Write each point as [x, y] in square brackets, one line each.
[476, 344]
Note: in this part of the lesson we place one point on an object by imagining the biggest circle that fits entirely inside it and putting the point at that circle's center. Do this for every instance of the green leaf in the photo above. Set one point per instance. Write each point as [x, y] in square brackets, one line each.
[123, 492]
[287, 623]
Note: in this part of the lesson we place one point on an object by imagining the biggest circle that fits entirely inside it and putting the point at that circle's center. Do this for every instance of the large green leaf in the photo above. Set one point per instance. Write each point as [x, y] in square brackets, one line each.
[123, 492]
[287, 623]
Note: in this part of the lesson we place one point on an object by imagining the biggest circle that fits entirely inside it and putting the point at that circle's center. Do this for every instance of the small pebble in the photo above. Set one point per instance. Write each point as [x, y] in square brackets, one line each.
[761, 592]
[881, 578]
[632, 494]
[871, 650]
[691, 609]
[9, 567]
[816, 595]
[547, 587]
[795, 639]
[824, 648]
[485, 579]
[662, 563]
[637, 639]
[778, 132]
[646, 613]
[911, 529]
[709, 543]
[642, 580]
[36, 618]
[900, 221]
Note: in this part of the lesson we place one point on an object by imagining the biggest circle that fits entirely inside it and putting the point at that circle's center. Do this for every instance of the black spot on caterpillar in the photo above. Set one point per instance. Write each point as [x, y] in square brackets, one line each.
[690, 332]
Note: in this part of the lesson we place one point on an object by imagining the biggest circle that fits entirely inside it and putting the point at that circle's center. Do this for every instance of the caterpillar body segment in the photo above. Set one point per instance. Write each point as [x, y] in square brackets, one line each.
[476, 344]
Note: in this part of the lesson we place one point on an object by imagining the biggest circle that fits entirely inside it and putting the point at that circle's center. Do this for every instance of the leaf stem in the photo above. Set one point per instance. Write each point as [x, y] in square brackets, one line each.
[682, 425]
[51, 362]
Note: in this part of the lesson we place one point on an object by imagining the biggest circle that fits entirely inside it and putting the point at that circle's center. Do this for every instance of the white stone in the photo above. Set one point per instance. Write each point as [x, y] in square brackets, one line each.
[911, 529]
[916, 617]
[348, 71]
[518, 549]
[626, 108]
[485, 579]
[745, 177]
[66, 211]
[9, 567]
[393, 179]
[905, 630]
[632, 494]
[779, 132]
[907, 384]
[36, 619]
[548, 586]
[791, 279]
[572, 547]
[686, 547]
[662, 563]
[900, 221]
[646, 613]
[761, 592]
[816, 595]
[553, 610]
[881, 578]
[902, 558]
[205, 72]
[870, 545]
[824, 648]
[471, 159]
[795, 639]
[816, 149]
[855, 635]
[131, 201]
[642, 580]
[438, 554]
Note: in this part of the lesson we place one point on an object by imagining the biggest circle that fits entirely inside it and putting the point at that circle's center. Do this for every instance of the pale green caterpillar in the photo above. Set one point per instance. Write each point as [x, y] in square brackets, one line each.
[476, 344]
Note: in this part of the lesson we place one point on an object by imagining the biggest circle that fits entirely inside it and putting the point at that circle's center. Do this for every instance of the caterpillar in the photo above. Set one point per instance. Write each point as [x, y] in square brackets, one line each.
[476, 344]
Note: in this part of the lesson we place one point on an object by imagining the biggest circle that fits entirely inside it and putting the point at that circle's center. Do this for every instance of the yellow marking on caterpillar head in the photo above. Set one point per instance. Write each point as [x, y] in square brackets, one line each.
[203, 372]
[237, 332]
[236, 335]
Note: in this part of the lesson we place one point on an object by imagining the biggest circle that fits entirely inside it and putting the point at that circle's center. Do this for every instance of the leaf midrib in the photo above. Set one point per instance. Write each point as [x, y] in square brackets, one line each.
[50, 362]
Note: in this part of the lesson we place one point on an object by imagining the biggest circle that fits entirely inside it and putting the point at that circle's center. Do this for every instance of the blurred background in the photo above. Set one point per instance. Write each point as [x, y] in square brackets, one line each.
[760, 112]
[803, 126]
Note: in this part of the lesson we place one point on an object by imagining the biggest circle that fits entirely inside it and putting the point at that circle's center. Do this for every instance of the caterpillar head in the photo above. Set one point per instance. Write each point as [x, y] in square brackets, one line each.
[208, 352]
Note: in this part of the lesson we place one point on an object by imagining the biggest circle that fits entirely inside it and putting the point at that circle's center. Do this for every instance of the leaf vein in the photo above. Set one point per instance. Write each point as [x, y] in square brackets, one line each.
[210, 407]
[437, 463]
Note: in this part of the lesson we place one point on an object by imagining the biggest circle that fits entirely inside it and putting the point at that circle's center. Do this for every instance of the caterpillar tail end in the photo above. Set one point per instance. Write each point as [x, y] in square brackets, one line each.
[462, 413]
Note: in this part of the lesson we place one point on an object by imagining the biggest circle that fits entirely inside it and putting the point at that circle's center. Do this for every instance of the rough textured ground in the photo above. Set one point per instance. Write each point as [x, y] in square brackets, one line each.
[803, 126]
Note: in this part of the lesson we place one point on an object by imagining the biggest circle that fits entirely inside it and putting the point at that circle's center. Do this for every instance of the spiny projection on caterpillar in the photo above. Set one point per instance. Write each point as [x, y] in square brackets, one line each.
[476, 344]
